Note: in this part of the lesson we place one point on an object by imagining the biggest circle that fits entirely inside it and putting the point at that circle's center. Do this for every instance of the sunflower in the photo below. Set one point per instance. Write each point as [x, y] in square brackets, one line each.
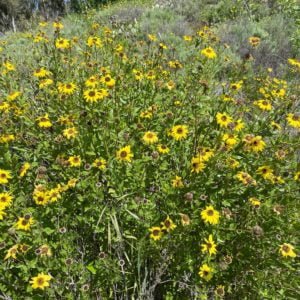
[223, 119]
[61, 43]
[232, 163]
[150, 137]
[263, 104]
[209, 53]
[209, 246]
[287, 250]
[245, 178]
[156, 233]
[265, 171]
[254, 41]
[40, 281]
[187, 38]
[255, 202]
[74, 161]
[177, 182]
[40, 197]
[297, 176]
[94, 41]
[293, 120]
[24, 223]
[70, 133]
[45, 83]
[57, 25]
[236, 85]
[13, 95]
[41, 73]
[5, 175]
[12, 252]
[163, 149]
[100, 163]
[44, 121]
[92, 82]
[138, 74]
[124, 154]
[5, 200]
[197, 164]
[210, 215]
[168, 224]
[206, 272]
[256, 144]
[230, 140]
[179, 132]
[108, 81]
[67, 88]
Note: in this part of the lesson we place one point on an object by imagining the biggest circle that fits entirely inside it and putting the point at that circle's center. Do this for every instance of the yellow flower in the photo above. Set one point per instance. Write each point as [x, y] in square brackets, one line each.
[263, 104]
[44, 250]
[236, 85]
[168, 224]
[5, 175]
[177, 182]
[94, 41]
[245, 178]
[297, 176]
[44, 121]
[40, 281]
[163, 149]
[5, 200]
[152, 37]
[108, 80]
[12, 252]
[40, 197]
[255, 202]
[230, 140]
[13, 95]
[254, 41]
[293, 120]
[209, 246]
[156, 233]
[223, 119]
[197, 164]
[45, 83]
[92, 82]
[100, 163]
[6, 138]
[70, 133]
[124, 154]
[24, 169]
[206, 272]
[41, 73]
[74, 161]
[187, 38]
[266, 172]
[57, 25]
[24, 223]
[275, 126]
[150, 137]
[179, 132]
[232, 163]
[9, 66]
[61, 43]
[209, 53]
[254, 143]
[138, 74]
[287, 250]
[210, 215]
[67, 88]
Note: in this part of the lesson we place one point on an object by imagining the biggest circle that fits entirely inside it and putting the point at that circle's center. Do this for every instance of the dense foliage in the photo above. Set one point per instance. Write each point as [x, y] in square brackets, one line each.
[137, 163]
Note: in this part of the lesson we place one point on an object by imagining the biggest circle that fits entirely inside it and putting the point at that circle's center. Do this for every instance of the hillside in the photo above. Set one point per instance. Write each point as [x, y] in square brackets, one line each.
[150, 150]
